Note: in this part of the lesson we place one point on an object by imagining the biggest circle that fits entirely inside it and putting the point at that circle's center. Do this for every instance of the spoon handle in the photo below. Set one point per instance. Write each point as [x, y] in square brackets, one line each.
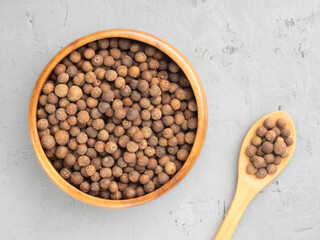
[241, 200]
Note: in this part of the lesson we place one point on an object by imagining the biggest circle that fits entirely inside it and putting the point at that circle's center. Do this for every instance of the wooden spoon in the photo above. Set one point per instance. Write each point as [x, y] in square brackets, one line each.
[249, 185]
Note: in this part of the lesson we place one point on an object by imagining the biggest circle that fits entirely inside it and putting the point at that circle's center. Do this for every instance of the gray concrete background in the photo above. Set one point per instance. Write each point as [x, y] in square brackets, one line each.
[253, 57]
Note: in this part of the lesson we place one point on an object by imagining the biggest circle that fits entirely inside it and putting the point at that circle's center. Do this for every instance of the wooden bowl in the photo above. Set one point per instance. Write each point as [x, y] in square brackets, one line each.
[196, 85]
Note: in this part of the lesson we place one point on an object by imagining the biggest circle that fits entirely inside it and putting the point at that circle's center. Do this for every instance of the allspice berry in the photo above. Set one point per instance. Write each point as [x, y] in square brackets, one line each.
[269, 123]
[280, 148]
[61, 90]
[48, 142]
[281, 123]
[256, 141]
[76, 178]
[269, 158]
[271, 135]
[277, 160]
[61, 137]
[251, 150]
[267, 147]
[285, 132]
[170, 168]
[289, 141]
[111, 147]
[251, 169]
[163, 178]
[271, 169]
[259, 162]
[261, 173]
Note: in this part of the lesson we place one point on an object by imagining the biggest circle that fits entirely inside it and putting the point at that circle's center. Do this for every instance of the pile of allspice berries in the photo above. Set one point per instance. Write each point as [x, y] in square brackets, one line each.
[117, 118]
[268, 147]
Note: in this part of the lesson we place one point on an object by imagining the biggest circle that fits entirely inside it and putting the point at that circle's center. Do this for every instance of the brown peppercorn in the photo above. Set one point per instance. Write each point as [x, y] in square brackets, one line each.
[269, 158]
[285, 132]
[267, 147]
[259, 162]
[86, 66]
[97, 60]
[137, 136]
[251, 150]
[42, 124]
[105, 184]
[163, 178]
[75, 57]
[90, 170]
[113, 187]
[192, 123]
[63, 78]
[261, 173]
[122, 71]
[82, 138]
[281, 123]
[154, 91]
[269, 123]
[189, 137]
[117, 171]
[271, 135]
[83, 161]
[61, 137]
[140, 57]
[107, 162]
[280, 148]
[61, 90]
[111, 75]
[115, 53]
[72, 71]
[149, 187]
[76, 178]
[132, 114]
[48, 87]
[60, 68]
[182, 155]
[277, 131]
[98, 124]
[48, 142]
[277, 160]
[256, 141]
[84, 187]
[61, 114]
[173, 67]
[134, 176]
[83, 117]
[129, 157]
[170, 168]
[143, 161]
[95, 177]
[251, 169]
[129, 192]
[111, 147]
[52, 98]
[132, 147]
[134, 71]
[89, 53]
[289, 141]
[65, 173]
[271, 169]
[144, 179]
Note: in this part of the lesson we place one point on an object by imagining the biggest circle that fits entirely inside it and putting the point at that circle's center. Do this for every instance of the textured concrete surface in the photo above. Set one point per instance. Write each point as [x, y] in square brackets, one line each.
[253, 57]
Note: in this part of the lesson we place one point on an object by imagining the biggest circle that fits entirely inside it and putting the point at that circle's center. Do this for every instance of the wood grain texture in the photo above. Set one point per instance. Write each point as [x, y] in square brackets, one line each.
[249, 185]
[196, 85]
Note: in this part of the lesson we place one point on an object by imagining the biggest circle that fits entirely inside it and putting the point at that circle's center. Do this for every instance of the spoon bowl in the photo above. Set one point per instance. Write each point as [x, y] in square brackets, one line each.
[249, 185]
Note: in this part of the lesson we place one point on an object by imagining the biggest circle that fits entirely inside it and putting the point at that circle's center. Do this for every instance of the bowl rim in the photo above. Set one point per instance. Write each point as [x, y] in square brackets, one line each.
[196, 86]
